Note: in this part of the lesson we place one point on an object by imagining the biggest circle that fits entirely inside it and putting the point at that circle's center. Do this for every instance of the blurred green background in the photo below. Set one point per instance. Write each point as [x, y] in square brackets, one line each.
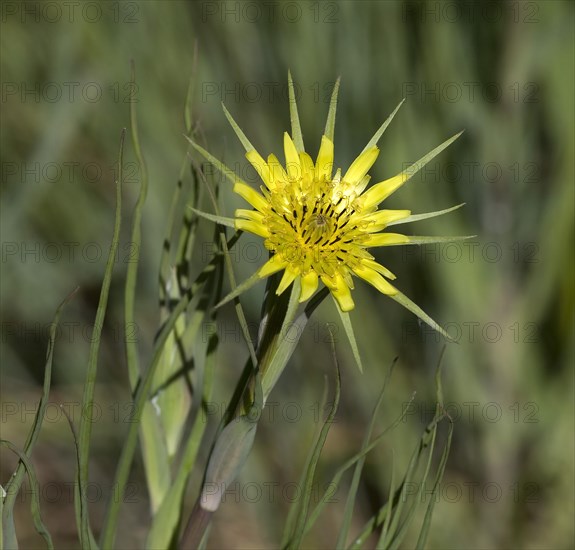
[503, 71]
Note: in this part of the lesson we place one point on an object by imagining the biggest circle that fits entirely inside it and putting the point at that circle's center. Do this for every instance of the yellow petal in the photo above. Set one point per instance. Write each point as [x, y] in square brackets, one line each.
[362, 185]
[277, 171]
[287, 279]
[375, 279]
[360, 166]
[251, 196]
[292, 158]
[249, 215]
[380, 191]
[324, 162]
[386, 239]
[253, 227]
[378, 220]
[273, 265]
[309, 283]
[306, 165]
[261, 167]
[379, 268]
[340, 291]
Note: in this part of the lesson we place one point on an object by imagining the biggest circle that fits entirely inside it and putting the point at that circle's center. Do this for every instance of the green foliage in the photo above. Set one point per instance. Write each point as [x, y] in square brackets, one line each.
[384, 51]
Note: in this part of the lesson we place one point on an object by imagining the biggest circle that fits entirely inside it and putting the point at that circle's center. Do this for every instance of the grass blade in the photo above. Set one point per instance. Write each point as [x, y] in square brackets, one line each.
[352, 494]
[88, 397]
[35, 503]
[15, 482]
[348, 464]
[385, 528]
[300, 524]
[154, 451]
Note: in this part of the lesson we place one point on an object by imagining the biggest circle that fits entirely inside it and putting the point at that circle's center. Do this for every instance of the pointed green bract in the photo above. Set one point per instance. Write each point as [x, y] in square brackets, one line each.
[239, 132]
[220, 166]
[294, 118]
[377, 136]
[425, 216]
[248, 283]
[228, 222]
[418, 239]
[330, 123]
[415, 309]
[346, 322]
[418, 165]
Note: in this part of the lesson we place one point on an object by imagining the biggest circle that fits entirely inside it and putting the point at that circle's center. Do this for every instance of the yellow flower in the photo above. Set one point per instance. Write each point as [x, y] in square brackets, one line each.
[319, 225]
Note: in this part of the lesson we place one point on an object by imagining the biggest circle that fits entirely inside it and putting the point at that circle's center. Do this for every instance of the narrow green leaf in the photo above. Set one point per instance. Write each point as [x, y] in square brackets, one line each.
[387, 520]
[346, 321]
[295, 508]
[283, 342]
[13, 485]
[230, 271]
[400, 522]
[330, 123]
[166, 521]
[228, 222]
[153, 446]
[426, 215]
[439, 414]
[89, 385]
[130, 442]
[78, 501]
[293, 331]
[294, 118]
[299, 528]
[35, 501]
[350, 462]
[402, 299]
[142, 396]
[241, 136]
[377, 136]
[352, 494]
[439, 476]
[427, 444]
[190, 91]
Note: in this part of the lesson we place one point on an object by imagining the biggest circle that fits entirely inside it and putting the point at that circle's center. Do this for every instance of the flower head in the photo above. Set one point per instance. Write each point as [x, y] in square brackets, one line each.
[319, 225]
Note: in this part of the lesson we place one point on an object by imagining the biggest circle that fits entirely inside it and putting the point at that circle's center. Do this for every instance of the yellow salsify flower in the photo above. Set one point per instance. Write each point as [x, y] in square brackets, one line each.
[319, 225]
